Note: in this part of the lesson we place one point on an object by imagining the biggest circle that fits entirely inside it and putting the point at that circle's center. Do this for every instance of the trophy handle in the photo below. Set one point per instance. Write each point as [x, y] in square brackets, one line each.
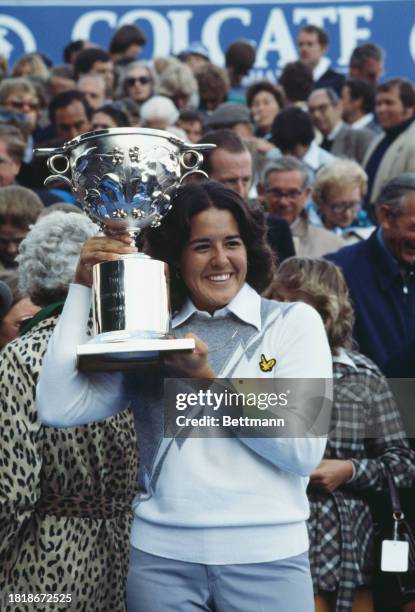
[201, 146]
[195, 159]
[57, 177]
[192, 173]
[58, 157]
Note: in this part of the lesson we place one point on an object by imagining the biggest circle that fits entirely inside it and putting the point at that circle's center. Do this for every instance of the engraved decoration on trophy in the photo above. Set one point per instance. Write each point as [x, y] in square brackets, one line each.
[125, 179]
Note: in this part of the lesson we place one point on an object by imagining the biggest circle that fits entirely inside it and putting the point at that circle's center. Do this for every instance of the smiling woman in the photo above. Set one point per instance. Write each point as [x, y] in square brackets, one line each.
[209, 238]
[209, 522]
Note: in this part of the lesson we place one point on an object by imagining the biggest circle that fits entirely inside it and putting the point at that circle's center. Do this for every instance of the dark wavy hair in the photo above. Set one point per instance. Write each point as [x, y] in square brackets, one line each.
[168, 241]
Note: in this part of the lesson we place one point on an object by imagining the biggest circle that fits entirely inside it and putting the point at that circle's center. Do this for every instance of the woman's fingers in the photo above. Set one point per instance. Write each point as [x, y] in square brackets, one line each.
[200, 347]
[99, 249]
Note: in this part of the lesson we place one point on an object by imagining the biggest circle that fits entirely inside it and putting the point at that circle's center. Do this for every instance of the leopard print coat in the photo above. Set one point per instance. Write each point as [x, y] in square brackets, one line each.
[65, 495]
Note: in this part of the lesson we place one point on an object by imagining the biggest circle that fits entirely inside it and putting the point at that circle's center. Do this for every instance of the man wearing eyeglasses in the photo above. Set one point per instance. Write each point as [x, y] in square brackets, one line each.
[326, 109]
[285, 190]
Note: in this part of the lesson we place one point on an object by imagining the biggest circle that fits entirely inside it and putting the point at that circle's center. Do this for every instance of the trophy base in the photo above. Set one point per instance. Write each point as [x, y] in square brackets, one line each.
[128, 355]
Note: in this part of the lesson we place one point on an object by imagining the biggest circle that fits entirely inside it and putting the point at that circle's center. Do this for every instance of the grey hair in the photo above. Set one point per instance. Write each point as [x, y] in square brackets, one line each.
[286, 163]
[364, 52]
[330, 93]
[177, 79]
[126, 70]
[9, 86]
[49, 254]
[159, 107]
[393, 193]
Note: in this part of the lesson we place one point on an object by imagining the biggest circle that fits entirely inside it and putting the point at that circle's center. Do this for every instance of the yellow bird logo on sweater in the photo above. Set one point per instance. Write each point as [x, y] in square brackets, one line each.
[267, 365]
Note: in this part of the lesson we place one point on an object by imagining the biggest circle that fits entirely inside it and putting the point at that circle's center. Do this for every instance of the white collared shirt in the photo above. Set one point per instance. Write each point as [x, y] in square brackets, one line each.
[317, 157]
[343, 357]
[246, 305]
[336, 130]
[362, 122]
[321, 68]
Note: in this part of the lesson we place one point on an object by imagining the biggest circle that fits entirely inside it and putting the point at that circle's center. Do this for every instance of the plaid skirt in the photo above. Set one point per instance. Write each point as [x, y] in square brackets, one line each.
[341, 541]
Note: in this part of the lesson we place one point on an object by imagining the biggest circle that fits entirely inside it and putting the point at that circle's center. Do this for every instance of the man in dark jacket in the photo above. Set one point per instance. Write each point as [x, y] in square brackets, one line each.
[380, 273]
[339, 139]
[313, 43]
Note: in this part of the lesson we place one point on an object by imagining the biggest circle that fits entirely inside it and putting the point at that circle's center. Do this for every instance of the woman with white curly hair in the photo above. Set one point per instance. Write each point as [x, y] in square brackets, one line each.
[65, 494]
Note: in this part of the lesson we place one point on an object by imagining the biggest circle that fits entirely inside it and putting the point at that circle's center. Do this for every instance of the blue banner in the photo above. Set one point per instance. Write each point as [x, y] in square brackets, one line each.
[26, 25]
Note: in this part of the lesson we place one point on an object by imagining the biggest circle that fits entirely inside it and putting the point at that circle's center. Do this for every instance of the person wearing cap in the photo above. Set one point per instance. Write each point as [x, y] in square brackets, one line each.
[230, 116]
[195, 56]
[236, 117]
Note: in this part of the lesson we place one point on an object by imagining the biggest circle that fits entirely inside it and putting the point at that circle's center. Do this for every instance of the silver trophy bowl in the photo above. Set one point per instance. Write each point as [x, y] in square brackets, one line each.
[125, 179]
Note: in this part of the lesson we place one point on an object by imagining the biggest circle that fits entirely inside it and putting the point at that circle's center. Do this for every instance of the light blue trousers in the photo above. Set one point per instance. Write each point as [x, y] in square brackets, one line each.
[157, 584]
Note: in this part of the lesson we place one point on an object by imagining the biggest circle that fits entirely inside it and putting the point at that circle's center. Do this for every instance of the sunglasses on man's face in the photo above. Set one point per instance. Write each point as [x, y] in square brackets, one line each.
[143, 80]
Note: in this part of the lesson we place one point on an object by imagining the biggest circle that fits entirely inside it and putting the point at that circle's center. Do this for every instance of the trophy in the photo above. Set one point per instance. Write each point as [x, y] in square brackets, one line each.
[125, 179]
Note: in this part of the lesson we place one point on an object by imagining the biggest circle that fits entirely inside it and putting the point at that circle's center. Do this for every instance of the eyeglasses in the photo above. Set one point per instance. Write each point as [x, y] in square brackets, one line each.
[292, 194]
[19, 104]
[143, 80]
[343, 207]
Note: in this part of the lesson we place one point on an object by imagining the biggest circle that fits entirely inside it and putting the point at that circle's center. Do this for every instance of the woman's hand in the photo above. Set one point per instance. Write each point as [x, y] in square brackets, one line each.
[99, 249]
[331, 474]
[192, 364]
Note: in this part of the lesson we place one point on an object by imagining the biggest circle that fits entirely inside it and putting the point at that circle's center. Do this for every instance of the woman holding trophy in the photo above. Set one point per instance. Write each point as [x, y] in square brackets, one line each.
[219, 522]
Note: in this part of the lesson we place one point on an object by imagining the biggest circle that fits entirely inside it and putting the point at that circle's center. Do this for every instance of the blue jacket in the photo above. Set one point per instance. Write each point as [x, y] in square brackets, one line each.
[384, 305]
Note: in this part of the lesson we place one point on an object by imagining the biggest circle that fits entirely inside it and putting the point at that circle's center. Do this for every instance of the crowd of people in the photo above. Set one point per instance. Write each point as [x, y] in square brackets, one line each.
[298, 250]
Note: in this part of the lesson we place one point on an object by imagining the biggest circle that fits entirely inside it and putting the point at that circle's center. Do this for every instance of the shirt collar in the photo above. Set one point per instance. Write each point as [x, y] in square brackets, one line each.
[246, 305]
[362, 122]
[387, 267]
[321, 68]
[311, 158]
[343, 358]
[336, 130]
[381, 240]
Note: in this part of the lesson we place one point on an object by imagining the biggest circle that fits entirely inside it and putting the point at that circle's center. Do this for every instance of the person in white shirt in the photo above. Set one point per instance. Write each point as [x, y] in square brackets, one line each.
[358, 101]
[313, 44]
[219, 521]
